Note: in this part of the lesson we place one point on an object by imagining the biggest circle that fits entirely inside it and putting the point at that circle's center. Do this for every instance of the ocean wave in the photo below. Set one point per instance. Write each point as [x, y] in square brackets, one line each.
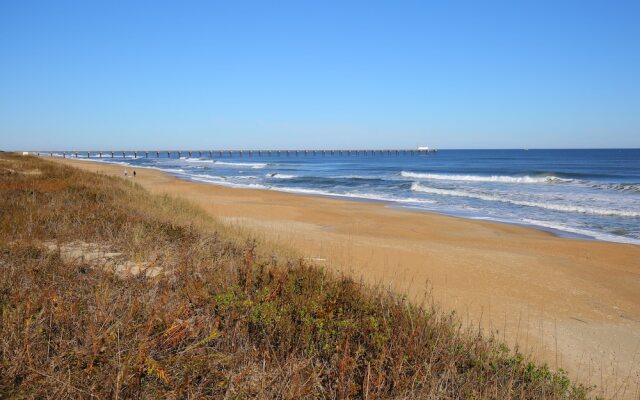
[362, 177]
[197, 160]
[548, 206]
[584, 232]
[281, 176]
[482, 178]
[355, 195]
[219, 180]
[224, 163]
[622, 187]
[241, 164]
[175, 171]
[223, 182]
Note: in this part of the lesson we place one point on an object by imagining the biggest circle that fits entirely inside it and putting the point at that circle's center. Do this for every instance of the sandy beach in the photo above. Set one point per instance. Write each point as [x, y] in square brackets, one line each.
[574, 304]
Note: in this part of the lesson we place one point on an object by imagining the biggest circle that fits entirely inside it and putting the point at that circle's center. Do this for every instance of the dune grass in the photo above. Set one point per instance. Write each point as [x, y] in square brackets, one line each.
[226, 317]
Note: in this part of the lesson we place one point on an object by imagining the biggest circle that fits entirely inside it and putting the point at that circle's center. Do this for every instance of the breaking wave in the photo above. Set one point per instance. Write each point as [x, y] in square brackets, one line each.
[280, 176]
[355, 195]
[225, 163]
[481, 178]
[583, 232]
[550, 179]
[548, 206]
[240, 164]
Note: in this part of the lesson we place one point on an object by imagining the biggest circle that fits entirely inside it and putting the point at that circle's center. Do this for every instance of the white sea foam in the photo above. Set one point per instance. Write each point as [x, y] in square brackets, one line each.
[223, 163]
[219, 180]
[241, 164]
[583, 232]
[482, 178]
[197, 160]
[281, 176]
[417, 187]
[174, 170]
[226, 181]
[355, 195]
[216, 178]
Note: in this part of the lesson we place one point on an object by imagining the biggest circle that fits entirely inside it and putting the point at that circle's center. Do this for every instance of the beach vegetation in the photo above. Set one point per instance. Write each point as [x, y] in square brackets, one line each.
[221, 316]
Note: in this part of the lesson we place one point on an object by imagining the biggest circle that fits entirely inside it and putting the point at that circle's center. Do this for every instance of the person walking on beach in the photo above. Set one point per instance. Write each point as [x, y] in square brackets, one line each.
[134, 173]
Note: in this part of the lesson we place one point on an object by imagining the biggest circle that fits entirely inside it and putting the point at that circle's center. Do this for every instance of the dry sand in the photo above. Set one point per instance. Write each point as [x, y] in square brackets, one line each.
[574, 304]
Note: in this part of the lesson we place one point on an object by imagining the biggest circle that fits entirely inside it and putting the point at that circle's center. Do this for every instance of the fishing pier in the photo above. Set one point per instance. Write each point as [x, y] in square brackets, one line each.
[213, 154]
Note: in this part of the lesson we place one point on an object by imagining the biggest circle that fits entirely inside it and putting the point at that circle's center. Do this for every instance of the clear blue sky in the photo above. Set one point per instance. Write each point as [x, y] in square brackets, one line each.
[190, 74]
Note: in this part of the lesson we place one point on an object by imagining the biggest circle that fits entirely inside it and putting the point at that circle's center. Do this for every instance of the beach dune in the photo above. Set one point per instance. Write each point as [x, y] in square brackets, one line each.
[574, 304]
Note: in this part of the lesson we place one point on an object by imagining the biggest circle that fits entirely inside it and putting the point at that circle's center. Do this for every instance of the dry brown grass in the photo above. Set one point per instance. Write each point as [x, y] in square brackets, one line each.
[224, 319]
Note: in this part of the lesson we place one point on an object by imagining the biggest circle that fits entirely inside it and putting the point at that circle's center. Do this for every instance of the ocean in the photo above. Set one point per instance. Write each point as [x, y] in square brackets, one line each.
[590, 194]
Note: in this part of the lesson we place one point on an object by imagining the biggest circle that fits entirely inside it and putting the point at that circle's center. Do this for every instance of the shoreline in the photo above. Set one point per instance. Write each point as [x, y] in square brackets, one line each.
[566, 232]
[573, 303]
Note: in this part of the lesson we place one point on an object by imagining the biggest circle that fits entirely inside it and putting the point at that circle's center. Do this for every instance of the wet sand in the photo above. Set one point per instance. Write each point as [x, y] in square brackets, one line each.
[574, 304]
